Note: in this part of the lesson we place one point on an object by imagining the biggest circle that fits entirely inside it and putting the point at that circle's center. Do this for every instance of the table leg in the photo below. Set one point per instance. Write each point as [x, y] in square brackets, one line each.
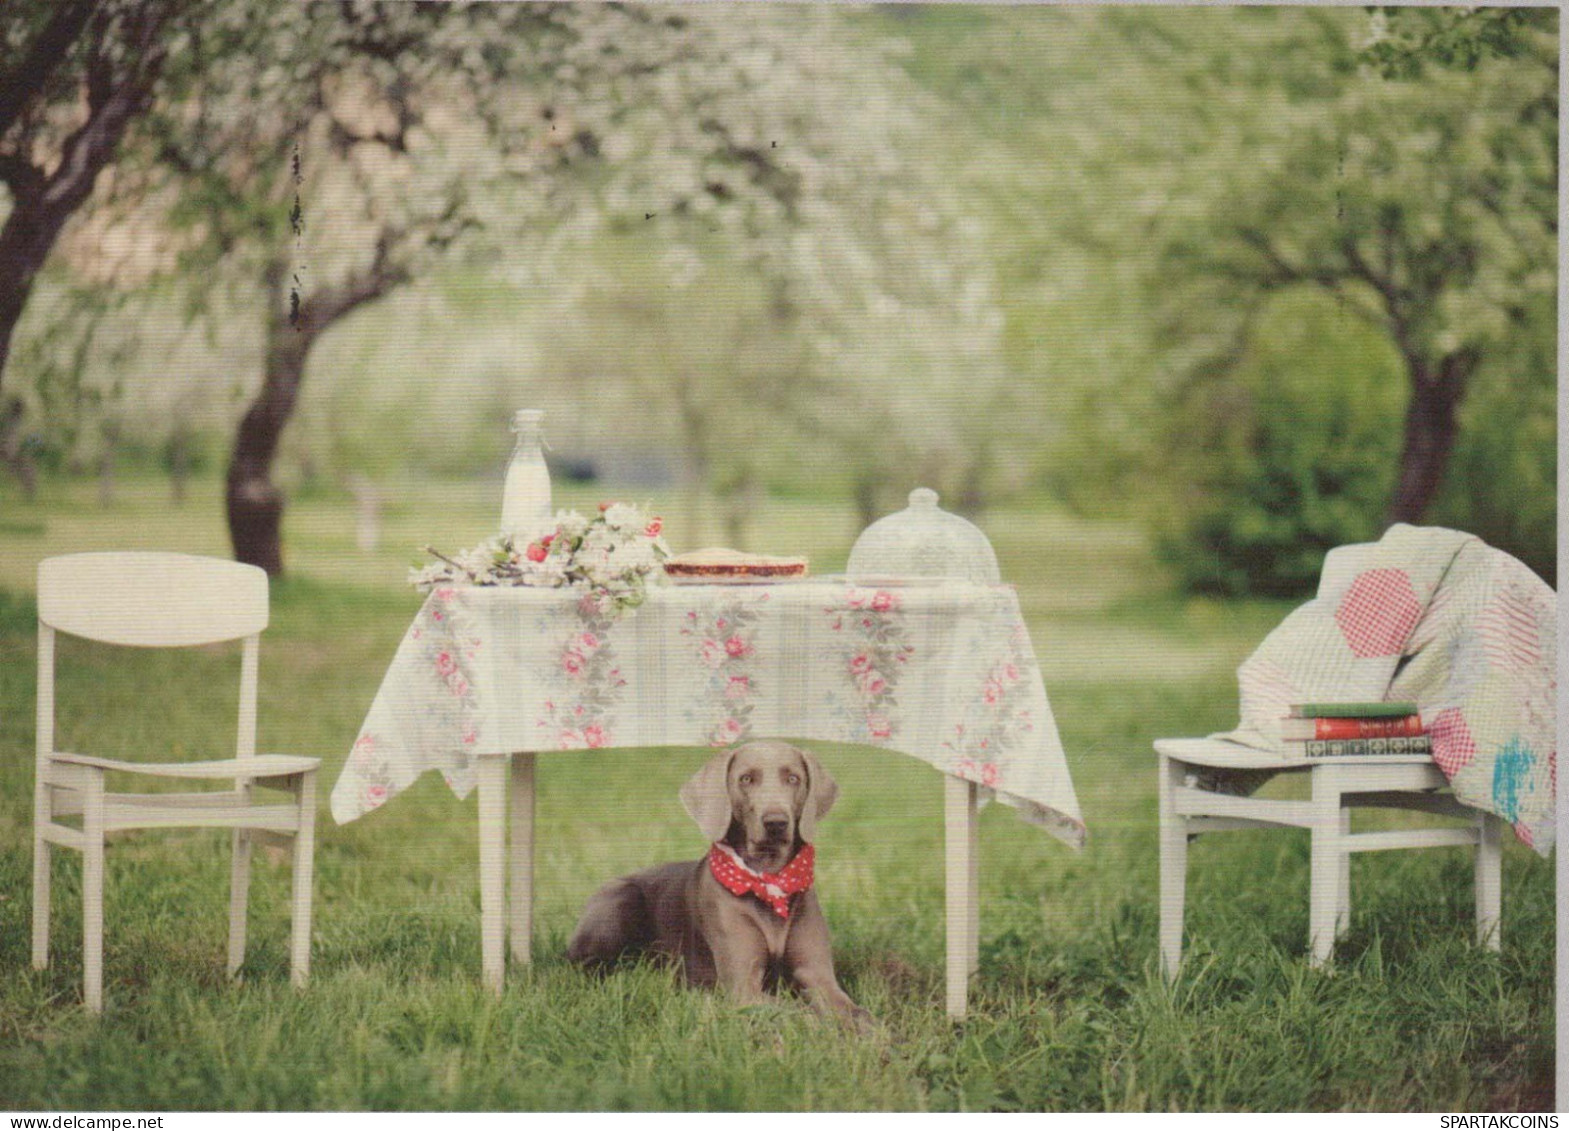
[522, 856]
[492, 774]
[962, 908]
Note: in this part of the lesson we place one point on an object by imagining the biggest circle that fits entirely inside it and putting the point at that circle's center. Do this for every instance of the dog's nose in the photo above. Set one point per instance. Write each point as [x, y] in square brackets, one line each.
[777, 828]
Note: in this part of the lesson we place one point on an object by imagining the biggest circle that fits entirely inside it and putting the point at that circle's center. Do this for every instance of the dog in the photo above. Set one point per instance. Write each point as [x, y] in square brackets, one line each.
[743, 917]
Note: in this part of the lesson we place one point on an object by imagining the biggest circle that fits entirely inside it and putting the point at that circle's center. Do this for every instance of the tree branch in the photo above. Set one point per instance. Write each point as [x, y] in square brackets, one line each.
[27, 78]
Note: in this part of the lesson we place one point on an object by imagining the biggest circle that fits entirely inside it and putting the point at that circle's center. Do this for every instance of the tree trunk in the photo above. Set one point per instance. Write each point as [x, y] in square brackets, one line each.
[254, 504]
[1431, 425]
[29, 232]
[253, 501]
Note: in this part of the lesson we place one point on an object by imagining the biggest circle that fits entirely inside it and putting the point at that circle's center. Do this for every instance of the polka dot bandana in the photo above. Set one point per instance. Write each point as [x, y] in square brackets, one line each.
[773, 888]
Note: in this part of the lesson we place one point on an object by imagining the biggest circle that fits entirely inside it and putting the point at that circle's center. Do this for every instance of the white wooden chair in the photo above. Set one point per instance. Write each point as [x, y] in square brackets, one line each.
[161, 600]
[1193, 800]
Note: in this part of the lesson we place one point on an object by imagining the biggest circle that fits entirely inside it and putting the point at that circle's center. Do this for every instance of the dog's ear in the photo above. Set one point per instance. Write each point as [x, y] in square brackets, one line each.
[706, 796]
[821, 793]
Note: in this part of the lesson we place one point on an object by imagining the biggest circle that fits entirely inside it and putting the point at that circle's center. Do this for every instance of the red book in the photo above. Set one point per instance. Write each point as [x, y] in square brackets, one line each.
[1327, 729]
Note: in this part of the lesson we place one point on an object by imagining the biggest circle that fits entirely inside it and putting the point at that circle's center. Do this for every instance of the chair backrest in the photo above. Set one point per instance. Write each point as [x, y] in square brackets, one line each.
[150, 600]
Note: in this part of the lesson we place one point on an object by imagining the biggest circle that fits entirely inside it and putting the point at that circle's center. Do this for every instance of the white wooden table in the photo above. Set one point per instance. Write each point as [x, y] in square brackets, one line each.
[486, 679]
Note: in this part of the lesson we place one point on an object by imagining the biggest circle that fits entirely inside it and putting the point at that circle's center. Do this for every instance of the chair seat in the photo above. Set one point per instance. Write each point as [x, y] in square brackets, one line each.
[1223, 754]
[260, 766]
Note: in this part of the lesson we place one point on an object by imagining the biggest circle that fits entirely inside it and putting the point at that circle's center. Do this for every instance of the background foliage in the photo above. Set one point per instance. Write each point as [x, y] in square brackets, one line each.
[1265, 278]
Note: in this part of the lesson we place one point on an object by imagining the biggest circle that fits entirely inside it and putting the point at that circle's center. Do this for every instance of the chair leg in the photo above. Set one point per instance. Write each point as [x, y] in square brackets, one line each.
[93, 895]
[1489, 881]
[1325, 856]
[239, 898]
[304, 864]
[41, 860]
[1173, 867]
[1343, 892]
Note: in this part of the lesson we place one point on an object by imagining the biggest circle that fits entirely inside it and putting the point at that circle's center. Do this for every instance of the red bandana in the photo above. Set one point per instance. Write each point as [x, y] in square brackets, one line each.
[773, 888]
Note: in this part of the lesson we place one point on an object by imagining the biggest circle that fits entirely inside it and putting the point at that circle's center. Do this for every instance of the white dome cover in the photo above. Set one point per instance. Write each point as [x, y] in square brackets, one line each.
[924, 541]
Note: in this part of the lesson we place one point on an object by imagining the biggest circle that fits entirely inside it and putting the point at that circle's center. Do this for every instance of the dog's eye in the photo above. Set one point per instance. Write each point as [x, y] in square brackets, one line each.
[748, 778]
[793, 779]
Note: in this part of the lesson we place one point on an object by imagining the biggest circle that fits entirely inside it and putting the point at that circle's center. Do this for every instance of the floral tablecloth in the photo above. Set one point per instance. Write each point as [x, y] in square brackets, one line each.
[943, 673]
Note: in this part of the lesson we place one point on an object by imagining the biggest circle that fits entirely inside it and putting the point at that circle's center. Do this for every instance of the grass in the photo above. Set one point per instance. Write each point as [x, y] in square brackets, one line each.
[1068, 1012]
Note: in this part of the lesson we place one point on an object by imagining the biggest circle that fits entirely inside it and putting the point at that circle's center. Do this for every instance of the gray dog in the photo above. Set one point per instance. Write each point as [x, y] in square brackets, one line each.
[744, 914]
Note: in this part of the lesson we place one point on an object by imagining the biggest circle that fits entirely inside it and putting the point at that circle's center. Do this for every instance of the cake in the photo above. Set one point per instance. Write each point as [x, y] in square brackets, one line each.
[719, 564]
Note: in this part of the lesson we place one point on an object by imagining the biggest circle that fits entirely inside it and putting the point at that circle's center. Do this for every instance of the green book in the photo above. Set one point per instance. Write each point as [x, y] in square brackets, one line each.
[1351, 710]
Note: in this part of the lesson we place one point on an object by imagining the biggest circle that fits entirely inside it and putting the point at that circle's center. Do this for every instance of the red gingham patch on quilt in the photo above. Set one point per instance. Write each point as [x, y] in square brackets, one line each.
[1378, 612]
[1453, 746]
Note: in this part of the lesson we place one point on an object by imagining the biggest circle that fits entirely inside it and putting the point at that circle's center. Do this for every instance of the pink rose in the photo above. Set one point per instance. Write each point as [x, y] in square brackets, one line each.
[882, 601]
[375, 795]
[727, 731]
[873, 683]
[445, 595]
[470, 736]
[445, 664]
[654, 527]
[572, 662]
[1010, 672]
[992, 692]
[536, 552]
[589, 641]
[879, 725]
[568, 739]
[712, 653]
[860, 664]
[736, 647]
[738, 686]
[594, 736]
[990, 775]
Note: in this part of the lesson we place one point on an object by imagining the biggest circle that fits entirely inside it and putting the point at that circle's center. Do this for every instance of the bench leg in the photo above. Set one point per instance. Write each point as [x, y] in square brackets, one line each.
[1489, 881]
[1343, 878]
[1173, 867]
[1326, 854]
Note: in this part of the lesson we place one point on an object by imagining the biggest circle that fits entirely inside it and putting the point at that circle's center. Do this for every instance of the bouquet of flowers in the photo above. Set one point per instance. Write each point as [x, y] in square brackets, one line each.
[610, 556]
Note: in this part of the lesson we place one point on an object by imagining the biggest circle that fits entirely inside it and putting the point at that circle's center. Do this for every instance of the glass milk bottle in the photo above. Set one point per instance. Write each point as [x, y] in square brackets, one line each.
[525, 500]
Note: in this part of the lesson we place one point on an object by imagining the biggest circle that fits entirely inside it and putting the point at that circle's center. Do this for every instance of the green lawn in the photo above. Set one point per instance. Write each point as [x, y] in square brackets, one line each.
[1068, 1012]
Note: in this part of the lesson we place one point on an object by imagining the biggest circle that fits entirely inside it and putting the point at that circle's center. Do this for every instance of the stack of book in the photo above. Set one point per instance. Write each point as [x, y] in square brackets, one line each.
[1344, 730]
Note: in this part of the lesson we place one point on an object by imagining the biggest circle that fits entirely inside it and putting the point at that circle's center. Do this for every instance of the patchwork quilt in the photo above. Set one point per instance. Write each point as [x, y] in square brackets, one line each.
[1440, 618]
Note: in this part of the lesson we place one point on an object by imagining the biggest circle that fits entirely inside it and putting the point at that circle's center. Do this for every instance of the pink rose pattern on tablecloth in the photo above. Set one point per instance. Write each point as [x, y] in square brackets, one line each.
[895, 668]
[874, 654]
[587, 684]
[375, 781]
[724, 642]
[450, 647]
[998, 718]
